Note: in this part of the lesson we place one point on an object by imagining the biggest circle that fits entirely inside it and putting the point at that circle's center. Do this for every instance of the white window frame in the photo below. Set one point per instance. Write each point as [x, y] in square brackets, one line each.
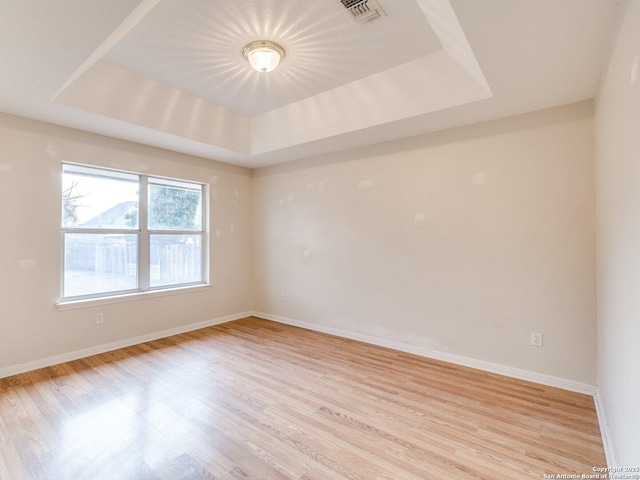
[144, 240]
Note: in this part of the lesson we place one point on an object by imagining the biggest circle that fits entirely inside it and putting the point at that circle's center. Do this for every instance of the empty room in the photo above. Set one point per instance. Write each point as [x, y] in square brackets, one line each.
[313, 240]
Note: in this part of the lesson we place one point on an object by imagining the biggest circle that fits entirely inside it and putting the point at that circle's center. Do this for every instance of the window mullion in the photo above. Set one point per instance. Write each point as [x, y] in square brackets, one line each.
[205, 233]
[143, 236]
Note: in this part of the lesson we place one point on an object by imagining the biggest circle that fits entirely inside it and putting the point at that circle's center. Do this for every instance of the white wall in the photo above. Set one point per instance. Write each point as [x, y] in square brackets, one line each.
[31, 327]
[618, 239]
[462, 242]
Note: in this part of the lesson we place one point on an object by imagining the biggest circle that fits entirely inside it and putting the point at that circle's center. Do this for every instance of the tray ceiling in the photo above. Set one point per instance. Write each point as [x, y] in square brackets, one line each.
[170, 73]
[178, 44]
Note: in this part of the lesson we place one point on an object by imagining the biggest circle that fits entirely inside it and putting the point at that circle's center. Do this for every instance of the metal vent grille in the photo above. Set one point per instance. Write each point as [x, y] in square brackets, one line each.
[363, 11]
[350, 3]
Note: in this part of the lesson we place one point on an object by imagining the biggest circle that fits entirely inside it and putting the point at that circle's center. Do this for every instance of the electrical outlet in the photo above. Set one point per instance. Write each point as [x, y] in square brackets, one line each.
[282, 297]
[287, 297]
[536, 339]
[99, 319]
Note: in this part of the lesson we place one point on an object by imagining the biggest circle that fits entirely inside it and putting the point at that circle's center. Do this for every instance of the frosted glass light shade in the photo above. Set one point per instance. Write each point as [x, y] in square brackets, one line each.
[263, 55]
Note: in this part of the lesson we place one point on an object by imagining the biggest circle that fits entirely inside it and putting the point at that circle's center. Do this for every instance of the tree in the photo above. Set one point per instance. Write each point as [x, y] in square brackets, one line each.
[173, 208]
[131, 217]
[70, 204]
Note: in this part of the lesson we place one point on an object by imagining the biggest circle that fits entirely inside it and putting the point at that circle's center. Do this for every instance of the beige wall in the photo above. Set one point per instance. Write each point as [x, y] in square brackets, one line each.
[618, 224]
[31, 327]
[462, 242]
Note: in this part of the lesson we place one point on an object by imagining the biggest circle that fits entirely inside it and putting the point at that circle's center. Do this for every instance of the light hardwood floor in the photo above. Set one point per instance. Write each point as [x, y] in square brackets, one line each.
[256, 399]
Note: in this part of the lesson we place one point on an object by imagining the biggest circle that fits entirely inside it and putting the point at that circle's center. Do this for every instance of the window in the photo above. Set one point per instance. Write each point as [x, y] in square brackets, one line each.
[125, 233]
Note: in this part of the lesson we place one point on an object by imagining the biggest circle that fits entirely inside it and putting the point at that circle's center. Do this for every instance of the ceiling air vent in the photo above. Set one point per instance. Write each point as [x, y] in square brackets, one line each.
[363, 11]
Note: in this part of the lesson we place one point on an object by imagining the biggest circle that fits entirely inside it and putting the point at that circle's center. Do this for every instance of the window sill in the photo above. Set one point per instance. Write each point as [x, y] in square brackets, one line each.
[130, 297]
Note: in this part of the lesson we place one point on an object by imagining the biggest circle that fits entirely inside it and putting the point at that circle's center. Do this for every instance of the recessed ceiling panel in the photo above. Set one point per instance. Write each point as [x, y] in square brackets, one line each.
[174, 76]
[196, 46]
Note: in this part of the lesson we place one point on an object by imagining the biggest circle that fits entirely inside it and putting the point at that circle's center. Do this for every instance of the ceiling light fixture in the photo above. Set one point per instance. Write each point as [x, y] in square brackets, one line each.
[263, 55]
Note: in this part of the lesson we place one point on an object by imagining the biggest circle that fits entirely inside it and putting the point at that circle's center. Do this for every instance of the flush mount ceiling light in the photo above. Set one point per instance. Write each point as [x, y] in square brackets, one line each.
[263, 55]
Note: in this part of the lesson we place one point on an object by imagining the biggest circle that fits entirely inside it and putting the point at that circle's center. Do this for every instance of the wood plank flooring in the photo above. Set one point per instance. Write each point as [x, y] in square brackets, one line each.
[253, 399]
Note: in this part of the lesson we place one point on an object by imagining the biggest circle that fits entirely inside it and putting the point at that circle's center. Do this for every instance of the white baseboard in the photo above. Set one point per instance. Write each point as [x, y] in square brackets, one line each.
[607, 441]
[513, 372]
[535, 377]
[107, 347]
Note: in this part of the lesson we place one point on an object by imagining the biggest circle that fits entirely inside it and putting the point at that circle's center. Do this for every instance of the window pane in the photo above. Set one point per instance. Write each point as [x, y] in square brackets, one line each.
[99, 263]
[94, 198]
[175, 259]
[174, 205]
